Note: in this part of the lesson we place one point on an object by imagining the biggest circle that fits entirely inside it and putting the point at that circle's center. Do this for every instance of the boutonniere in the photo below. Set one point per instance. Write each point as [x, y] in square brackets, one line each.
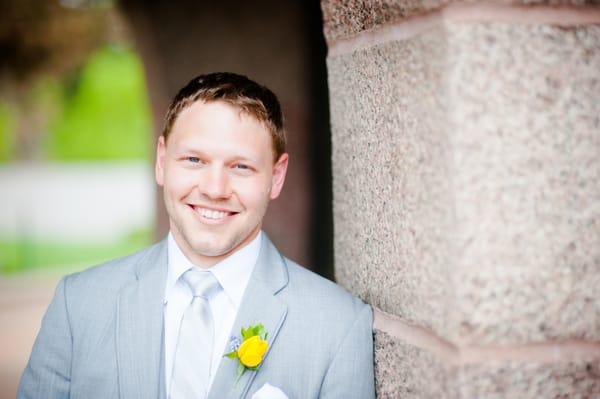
[249, 351]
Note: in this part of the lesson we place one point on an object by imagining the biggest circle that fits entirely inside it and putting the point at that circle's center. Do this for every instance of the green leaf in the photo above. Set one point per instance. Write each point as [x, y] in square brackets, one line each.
[231, 355]
[253, 330]
[246, 333]
[259, 329]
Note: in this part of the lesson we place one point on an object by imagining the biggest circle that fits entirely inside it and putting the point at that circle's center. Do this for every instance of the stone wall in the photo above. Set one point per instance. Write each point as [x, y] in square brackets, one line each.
[466, 167]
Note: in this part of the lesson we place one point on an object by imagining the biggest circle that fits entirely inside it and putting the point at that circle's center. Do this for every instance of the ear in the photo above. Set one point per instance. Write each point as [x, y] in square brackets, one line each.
[159, 166]
[279, 172]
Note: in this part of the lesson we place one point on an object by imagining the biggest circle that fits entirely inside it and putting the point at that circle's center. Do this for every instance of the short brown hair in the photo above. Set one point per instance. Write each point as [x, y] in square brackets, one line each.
[237, 90]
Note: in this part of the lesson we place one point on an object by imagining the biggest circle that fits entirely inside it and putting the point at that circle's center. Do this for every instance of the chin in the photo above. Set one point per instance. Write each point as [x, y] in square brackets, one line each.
[212, 249]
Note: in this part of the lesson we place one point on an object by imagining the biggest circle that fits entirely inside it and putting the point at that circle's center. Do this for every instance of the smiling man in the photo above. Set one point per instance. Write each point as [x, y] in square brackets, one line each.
[214, 310]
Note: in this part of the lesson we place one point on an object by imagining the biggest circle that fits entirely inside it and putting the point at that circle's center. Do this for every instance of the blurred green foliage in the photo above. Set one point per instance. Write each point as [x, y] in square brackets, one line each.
[101, 114]
[105, 114]
[7, 136]
[27, 255]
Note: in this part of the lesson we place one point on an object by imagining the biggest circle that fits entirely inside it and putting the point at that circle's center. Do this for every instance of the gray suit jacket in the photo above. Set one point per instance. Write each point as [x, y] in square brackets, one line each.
[102, 335]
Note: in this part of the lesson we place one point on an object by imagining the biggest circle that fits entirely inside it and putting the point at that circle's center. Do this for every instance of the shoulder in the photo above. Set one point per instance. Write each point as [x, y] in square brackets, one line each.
[325, 298]
[111, 276]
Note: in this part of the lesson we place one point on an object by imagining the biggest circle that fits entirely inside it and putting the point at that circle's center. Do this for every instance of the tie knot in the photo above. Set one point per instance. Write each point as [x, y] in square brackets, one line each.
[202, 283]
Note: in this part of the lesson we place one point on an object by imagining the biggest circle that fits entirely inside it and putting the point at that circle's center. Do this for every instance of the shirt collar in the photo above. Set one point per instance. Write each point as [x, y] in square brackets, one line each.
[233, 272]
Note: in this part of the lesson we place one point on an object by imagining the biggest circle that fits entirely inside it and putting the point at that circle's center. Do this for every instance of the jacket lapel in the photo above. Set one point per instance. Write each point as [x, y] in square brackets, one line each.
[140, 327]
[259, 305]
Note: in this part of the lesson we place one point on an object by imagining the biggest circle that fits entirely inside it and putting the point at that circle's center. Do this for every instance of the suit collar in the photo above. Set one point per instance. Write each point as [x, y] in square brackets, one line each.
[140, 327]
[259, 305]
[270, 270]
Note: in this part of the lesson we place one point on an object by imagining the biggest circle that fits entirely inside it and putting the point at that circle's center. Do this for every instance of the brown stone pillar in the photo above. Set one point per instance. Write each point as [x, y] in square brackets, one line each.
[466, 169]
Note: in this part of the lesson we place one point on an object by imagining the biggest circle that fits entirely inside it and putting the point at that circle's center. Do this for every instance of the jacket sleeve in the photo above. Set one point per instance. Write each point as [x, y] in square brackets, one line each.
[350, 374]
[48, 372]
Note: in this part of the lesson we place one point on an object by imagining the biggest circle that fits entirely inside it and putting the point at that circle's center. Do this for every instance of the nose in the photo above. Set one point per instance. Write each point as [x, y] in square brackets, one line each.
[215, 184]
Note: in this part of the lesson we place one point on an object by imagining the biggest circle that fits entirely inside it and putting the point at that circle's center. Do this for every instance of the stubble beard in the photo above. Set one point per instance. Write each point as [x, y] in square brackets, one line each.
[214, 244]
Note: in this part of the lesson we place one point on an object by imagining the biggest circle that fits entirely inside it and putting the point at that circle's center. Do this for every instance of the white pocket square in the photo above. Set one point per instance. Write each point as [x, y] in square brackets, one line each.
[268, 391]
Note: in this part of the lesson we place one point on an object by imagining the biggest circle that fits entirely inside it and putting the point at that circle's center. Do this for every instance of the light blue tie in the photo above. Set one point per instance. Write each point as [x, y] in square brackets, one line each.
[193, 353]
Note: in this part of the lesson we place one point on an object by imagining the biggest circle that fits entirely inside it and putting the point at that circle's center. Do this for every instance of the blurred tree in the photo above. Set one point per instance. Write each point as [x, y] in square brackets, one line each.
[106, 116]
[40, 38]
[44, 36]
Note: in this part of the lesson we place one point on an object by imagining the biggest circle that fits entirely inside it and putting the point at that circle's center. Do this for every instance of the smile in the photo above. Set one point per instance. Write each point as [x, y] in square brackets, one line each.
[212, 215]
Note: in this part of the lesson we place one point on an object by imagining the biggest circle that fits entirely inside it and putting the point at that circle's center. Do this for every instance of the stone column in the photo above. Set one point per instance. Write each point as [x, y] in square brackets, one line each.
[466, 167]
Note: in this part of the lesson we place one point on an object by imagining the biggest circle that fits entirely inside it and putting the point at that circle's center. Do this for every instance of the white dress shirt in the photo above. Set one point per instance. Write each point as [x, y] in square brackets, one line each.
[232, 273]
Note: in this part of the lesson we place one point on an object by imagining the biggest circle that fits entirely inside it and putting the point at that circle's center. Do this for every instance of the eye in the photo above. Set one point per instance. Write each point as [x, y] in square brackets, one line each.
[193, 159]
[243, 169]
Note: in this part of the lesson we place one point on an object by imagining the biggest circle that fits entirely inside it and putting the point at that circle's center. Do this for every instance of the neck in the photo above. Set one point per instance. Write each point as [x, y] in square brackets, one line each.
[207, 261]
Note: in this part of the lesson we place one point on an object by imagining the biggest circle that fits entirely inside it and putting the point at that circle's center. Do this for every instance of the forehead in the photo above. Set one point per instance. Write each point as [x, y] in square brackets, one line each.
[219, 125]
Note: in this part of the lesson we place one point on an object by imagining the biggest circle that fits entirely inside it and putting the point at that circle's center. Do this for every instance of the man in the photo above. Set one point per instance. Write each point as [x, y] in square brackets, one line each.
[158, 323]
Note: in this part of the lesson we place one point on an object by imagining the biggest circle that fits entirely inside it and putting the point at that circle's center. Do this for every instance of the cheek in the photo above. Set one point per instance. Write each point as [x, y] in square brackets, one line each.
[253, 192]
[179, 182]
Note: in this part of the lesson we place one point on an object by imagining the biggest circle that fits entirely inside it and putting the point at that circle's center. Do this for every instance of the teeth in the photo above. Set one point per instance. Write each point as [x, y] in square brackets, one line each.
[215, 215]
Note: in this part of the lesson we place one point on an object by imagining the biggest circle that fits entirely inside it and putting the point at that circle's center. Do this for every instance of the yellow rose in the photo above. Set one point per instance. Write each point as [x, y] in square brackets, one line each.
[251, 351]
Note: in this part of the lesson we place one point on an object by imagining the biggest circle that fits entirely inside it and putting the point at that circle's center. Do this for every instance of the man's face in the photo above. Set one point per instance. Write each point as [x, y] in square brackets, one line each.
[218, 177]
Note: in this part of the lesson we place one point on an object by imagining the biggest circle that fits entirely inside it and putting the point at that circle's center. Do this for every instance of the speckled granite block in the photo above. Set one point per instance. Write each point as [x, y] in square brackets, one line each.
[572, 380]
[526, 178]
[404, 371]
[391, 166]
[467, 180]
[346, 18]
